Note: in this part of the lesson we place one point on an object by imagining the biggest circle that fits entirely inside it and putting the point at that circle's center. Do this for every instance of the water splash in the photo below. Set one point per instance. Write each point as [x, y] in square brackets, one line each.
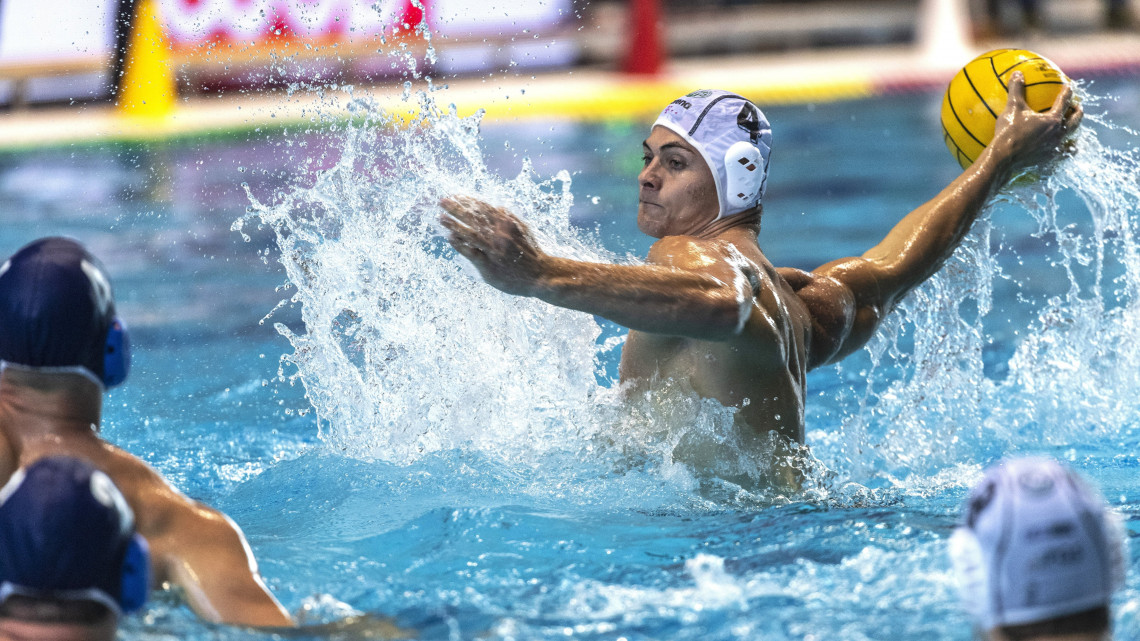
[938, 393]
[406, 352]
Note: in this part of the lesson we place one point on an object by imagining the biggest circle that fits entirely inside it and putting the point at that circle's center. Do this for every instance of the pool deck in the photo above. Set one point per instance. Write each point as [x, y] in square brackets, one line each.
[801, 76]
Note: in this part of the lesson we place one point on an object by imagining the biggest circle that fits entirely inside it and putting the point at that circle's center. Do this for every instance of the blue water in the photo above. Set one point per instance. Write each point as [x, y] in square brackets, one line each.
[521, 499]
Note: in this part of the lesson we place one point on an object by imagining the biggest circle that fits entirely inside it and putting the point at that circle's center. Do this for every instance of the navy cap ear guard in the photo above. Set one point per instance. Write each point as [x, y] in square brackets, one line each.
[135, 584]
[117, 358]
[66, 532]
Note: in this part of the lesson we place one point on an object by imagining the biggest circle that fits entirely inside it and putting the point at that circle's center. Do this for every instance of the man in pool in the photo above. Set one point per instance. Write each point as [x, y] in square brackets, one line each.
[71, 563]
[61, 346]
[707, 306]
[1038, 555]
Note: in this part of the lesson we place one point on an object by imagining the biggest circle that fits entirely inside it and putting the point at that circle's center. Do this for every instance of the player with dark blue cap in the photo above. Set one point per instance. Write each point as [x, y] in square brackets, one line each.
[70, 559]
[57, 314]
[61, 347]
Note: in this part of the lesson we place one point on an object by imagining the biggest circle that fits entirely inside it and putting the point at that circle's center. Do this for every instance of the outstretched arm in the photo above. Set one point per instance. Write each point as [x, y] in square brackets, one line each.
[855, 294]
[687, 293]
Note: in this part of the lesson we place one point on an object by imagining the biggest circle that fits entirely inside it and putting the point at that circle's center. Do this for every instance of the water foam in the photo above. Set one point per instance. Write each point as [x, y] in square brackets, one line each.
[404, 351]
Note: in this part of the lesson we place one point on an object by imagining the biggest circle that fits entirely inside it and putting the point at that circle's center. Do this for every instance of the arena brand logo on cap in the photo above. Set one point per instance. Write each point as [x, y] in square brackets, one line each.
[100, 286]
[734, 139]
[1036, 481]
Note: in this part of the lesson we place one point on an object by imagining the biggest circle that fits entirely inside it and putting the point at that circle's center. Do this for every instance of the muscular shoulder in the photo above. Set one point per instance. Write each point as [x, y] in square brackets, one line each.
[685, 252]
[157, 504]
[719, 258]
[171, 522]
[832, 308]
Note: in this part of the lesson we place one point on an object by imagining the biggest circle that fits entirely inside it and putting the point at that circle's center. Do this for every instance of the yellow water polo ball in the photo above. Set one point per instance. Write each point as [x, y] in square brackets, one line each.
[978, 93]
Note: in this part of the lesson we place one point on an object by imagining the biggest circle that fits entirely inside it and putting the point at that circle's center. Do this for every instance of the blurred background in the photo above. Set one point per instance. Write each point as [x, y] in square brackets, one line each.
[197, 48]
[157, 130]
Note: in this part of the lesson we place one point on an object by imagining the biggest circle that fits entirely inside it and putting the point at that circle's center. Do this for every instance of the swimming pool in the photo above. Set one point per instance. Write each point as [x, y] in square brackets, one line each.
[485, 483]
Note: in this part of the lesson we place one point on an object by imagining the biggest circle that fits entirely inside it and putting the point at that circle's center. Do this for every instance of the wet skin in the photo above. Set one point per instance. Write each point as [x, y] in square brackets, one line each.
[192, 545]
[707, 306]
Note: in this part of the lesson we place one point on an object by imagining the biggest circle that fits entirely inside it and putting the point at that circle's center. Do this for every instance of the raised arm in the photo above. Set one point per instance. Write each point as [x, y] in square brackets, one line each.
[672, 298]
[851, 296]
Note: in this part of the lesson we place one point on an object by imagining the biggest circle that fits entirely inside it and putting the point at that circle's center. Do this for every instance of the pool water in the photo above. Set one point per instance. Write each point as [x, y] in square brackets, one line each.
[398, 439]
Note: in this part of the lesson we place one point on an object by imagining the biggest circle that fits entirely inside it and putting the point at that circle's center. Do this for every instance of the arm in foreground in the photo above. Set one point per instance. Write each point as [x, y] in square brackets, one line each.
[361, 626]
[206, 554]
[850, 297]
[695, 293]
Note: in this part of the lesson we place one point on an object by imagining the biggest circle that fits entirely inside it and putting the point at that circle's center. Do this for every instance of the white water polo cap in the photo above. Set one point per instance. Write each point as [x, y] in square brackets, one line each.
[733, 137]
[1035, 543]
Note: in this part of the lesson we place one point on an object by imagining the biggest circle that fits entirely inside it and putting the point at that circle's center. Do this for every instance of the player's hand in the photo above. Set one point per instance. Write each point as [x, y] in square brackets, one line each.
[1030, 138]
[496, 242]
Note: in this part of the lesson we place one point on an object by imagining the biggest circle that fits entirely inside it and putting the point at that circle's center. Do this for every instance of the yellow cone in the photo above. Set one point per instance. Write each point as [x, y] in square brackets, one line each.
[148, 87]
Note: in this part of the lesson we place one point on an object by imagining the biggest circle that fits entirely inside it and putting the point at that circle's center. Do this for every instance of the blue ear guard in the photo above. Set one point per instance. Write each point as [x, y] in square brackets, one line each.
[117, 357]
[135, 584]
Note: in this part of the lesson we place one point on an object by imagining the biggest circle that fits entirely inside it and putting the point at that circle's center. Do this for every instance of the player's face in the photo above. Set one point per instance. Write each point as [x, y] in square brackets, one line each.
[677, 195]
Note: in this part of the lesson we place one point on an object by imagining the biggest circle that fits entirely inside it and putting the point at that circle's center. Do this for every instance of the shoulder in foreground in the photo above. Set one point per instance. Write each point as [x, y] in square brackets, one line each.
[154, 500]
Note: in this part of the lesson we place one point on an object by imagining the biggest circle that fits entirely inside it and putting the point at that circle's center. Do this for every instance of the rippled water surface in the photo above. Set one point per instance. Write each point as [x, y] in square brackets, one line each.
[397, 438]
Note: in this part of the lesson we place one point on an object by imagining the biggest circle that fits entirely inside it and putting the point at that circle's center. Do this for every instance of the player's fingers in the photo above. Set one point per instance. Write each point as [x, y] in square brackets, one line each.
[1073, 116]
[478, 210]
[453, 224]
[1017, 91]
[473, 254]
[461, 232]
[450, 204]
[463, 241]
[1062, 101]
[454, 212]
[465, 210]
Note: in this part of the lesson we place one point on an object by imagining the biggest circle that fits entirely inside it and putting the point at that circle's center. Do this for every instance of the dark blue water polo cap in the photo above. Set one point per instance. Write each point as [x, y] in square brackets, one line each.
[66, 532]
[57, 312]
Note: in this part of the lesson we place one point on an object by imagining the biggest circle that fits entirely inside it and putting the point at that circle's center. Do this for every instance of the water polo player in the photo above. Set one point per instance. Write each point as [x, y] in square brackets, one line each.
[1038, 555]
[71, 563]
[61, 346]
[707, 306]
